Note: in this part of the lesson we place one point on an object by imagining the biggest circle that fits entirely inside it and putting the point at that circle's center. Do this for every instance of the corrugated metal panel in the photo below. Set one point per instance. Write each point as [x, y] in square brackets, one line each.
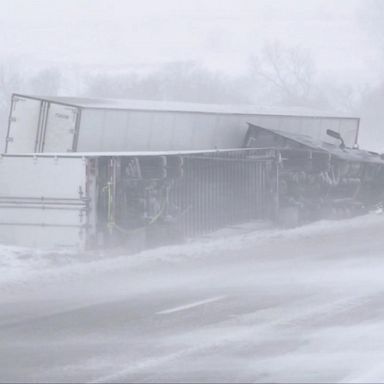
[222, 190]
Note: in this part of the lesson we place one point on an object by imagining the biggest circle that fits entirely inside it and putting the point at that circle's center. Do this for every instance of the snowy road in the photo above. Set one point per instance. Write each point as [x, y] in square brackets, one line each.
[305, 305]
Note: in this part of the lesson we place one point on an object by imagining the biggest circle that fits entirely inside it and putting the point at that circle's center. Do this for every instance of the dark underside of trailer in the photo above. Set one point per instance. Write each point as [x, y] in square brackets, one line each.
[174, 197]
[286, 179]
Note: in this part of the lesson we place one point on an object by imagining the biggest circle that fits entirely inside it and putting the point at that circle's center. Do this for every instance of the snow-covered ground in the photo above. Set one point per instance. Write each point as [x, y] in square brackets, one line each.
[301, 305]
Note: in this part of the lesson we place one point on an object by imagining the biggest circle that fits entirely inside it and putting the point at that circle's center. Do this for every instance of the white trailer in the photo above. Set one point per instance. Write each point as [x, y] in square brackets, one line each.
[63, 124]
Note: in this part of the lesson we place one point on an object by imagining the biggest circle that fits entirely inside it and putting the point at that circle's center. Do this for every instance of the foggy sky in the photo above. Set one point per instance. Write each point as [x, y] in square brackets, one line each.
[221, 35]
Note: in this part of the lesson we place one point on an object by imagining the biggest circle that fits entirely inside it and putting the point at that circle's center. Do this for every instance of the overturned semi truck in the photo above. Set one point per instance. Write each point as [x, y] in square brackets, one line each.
[90, 173]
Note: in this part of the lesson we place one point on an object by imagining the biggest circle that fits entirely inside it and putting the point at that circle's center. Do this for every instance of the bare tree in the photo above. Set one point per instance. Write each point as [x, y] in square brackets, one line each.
[371, 15]
[288, 73]
[180, 81]
[45, 82]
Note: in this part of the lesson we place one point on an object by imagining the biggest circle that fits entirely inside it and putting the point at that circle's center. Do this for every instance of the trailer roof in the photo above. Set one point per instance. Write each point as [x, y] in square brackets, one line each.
[349, 154]
[126, 153]
[175, 106]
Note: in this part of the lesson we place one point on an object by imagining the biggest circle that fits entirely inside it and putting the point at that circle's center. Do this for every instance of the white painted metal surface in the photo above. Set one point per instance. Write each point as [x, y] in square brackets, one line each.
[117, 130]
[61, 125]
[42, 201]
[23, 125]
[113, 125]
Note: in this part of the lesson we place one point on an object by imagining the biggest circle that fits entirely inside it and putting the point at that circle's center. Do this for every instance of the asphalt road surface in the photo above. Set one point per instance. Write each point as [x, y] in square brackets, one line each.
[306, 305]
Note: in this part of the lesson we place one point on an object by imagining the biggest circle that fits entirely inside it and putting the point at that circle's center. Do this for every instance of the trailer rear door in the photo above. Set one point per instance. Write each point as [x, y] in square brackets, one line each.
[42, 201]
[61, 128]
[23, 126]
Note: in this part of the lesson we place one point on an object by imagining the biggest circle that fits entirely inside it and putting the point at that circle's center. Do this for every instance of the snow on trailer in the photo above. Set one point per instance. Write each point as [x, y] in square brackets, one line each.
[66, 124]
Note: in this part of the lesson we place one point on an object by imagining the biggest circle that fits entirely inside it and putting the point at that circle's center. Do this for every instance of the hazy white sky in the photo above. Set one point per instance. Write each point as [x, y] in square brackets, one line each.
[221, 34]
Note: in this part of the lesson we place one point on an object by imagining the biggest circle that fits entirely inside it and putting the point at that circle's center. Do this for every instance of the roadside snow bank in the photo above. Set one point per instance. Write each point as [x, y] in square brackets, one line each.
[19, 264]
